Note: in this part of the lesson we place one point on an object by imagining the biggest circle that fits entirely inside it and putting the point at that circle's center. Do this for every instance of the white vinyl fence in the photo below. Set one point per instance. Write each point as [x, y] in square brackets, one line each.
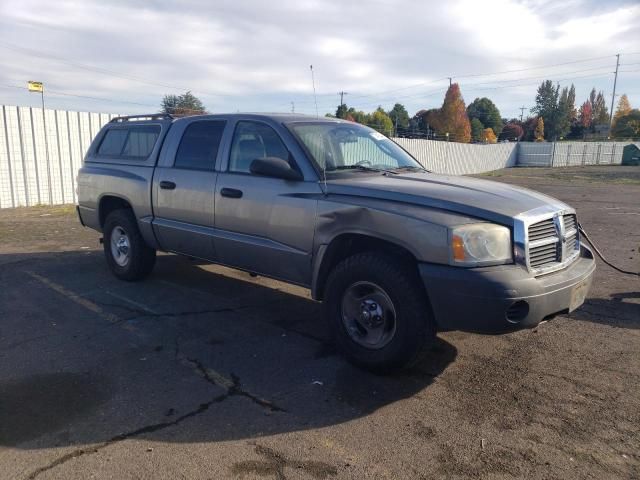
[460, 158]
[40, 155]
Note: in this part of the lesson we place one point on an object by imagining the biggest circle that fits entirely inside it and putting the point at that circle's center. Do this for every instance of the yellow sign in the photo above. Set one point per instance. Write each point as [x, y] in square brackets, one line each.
[35, 86]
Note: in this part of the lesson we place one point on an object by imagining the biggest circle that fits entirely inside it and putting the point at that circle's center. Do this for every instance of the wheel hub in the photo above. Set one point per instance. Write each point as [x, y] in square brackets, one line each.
[368, 315]
[120, 246]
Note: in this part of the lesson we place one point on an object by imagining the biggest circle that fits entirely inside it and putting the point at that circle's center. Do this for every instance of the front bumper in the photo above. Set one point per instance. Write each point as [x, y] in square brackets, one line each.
[501, 298]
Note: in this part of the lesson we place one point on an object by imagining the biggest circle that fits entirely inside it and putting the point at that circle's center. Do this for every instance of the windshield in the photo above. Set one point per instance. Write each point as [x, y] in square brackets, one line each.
[350, 146]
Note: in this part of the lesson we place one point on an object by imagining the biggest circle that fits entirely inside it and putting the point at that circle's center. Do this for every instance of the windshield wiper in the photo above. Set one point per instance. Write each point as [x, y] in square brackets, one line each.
[358, 167]
[411, 167]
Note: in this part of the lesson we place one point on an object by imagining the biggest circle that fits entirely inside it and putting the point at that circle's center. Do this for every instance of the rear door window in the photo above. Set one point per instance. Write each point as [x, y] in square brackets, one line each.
[199, 146]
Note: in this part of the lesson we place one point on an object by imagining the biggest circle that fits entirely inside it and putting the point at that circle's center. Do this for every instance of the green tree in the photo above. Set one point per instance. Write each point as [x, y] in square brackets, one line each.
[547, 107]
[486, 111]
[529, 127]
[341, 111]
[399, 116]
[185, 104]
[628, 126]
[563, 125]
[477, 130]
[571, 104]
[600, 111]
[539, 131]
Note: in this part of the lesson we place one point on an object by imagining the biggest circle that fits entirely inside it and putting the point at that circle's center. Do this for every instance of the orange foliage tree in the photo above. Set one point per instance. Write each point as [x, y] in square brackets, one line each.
[489, 136]
[452, 117]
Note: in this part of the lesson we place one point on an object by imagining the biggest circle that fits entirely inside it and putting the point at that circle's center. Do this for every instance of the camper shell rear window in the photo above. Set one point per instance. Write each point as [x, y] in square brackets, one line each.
[133, 142]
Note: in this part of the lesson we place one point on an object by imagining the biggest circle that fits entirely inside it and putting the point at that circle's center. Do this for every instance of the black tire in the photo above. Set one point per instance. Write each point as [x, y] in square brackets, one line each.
[141, 257]
[414, 329]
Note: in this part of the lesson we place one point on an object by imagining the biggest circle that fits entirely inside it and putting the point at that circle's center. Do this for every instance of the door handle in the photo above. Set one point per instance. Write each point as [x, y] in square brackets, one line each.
[166, 185]
[231, 193]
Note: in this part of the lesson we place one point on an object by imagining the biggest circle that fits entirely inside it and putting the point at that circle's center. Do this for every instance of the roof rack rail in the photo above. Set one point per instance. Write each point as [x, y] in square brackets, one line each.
[150, 116]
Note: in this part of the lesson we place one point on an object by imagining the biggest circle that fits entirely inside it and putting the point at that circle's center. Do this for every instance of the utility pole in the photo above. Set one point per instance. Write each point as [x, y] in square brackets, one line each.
[522, 112]
[342, 94]
[450, 80]
[293, 107]
[613, 95]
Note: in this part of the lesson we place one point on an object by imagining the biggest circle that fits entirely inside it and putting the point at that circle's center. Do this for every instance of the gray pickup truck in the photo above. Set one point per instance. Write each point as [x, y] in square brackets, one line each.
[395, 252]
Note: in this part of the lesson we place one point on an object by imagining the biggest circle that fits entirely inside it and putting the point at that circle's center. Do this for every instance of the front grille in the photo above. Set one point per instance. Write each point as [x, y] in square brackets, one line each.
[553, 242]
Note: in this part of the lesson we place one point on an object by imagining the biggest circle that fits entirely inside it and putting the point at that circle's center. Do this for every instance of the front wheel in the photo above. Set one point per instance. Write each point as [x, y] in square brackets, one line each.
[127, 254]
[378, 312]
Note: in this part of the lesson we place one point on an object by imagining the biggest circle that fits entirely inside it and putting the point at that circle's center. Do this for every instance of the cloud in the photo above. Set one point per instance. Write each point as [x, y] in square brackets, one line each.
[254, 55]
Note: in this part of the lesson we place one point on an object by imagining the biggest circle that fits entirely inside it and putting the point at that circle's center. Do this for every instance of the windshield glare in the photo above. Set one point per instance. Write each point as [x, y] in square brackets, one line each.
[346, 146]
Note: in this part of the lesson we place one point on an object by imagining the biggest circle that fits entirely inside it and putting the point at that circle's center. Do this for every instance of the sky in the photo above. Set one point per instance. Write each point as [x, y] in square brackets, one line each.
[249, 55]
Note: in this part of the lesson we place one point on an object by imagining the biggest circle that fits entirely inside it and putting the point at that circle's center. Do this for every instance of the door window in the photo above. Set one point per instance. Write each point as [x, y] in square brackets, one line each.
[253, 140]
[199, 145]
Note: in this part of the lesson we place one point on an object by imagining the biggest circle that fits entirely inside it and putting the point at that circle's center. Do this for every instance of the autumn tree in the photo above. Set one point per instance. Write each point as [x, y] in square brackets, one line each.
[512, 131]
[624, 108]
[490, 136]
[452, 117]
[628, 126]
[539, 131]
[585, 115]
[477, 130]
[182, 105]
[380, 121]
[486, 111]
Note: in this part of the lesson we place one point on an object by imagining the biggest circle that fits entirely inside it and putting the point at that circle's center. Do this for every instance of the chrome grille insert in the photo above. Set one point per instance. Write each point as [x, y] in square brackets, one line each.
[552, 243]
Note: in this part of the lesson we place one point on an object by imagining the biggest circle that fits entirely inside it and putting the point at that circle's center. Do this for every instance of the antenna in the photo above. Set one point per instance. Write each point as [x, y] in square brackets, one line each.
[313, 83]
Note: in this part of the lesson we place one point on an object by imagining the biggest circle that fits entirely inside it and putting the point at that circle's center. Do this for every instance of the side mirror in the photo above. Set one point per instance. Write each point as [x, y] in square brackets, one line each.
[274, 167]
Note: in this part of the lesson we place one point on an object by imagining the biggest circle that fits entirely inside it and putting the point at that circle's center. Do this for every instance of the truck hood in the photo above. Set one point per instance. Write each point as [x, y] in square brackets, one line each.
[470, 196]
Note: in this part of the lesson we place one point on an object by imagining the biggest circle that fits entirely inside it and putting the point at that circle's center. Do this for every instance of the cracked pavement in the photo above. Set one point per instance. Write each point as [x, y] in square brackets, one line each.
[203, 372]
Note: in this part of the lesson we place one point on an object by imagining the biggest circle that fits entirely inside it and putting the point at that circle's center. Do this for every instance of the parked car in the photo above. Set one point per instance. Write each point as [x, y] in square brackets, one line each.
[396, 253]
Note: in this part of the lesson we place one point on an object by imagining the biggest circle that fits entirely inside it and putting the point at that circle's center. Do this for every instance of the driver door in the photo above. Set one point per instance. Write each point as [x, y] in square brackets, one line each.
[264, 225]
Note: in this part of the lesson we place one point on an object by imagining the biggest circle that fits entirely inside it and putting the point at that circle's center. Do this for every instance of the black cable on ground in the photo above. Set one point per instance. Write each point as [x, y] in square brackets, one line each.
[595, 248]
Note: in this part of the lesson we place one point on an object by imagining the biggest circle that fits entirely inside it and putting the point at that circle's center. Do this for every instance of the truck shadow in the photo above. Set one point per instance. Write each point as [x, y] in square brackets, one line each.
[86, 359]
[620, 310]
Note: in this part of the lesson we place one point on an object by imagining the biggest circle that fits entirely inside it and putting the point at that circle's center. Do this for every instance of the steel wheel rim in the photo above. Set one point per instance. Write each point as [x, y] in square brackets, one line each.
[120, 246]
[368, 315]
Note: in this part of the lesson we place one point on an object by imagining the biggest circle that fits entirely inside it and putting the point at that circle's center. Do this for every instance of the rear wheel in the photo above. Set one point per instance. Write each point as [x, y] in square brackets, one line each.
[127, 254]
[378, 312]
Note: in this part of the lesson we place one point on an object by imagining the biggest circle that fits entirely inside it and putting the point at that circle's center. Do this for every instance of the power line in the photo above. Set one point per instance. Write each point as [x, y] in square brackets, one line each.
[54, 92]
[586, 60]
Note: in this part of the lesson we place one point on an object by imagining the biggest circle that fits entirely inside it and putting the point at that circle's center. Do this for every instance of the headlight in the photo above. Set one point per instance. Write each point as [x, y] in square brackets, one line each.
[480, 244]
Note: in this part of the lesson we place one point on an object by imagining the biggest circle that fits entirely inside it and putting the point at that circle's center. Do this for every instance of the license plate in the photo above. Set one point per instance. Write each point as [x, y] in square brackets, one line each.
[578, 295]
